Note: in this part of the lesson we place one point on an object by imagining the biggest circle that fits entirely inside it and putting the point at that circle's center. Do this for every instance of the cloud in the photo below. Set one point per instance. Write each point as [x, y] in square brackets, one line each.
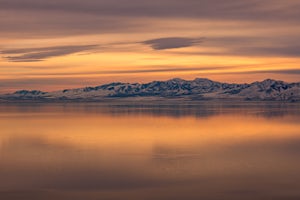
[172, 42]
[283, 71]
[279, 71]
[232, 9]
[136, 71]
[69, 17]
[277, 50]
[39, 54]
[250, 46]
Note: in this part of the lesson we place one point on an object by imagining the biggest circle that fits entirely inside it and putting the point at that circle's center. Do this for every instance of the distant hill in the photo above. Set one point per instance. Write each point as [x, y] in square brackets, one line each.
[194, 90]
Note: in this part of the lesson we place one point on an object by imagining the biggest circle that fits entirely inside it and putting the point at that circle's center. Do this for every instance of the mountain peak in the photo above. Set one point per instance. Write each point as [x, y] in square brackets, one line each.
[176, 80]
[270, 81]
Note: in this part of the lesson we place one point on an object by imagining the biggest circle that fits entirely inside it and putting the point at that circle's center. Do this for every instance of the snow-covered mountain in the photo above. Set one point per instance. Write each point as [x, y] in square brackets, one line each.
[198, 89]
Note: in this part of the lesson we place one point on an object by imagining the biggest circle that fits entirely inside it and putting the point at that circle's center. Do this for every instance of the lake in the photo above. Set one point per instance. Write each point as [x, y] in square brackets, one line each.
[204, 150]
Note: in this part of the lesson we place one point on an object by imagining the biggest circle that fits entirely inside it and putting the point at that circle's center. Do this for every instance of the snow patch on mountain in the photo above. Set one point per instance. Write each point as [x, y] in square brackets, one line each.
[197, 89]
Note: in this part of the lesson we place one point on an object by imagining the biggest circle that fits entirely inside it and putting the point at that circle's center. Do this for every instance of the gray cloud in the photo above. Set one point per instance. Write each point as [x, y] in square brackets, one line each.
[231, 9]
[172, 42]
[39, 54]
[277, 50]
[42, 18]
[39, 24]
[97, 16]
[263, 46]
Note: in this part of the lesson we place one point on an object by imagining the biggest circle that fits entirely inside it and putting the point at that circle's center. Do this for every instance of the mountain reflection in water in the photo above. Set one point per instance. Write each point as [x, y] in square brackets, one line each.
[209, 151]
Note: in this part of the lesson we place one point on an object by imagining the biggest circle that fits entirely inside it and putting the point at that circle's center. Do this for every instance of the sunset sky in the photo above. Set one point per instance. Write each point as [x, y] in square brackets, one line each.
[57, 44]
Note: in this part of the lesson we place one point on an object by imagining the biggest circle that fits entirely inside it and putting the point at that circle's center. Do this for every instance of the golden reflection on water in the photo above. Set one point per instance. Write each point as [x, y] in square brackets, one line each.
[91, 151]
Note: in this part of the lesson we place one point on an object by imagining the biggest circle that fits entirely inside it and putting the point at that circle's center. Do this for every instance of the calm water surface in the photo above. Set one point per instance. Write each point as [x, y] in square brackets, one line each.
[98, 151]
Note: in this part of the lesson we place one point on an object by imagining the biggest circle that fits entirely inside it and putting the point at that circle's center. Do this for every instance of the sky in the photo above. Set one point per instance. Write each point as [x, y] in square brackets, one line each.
[57, 44]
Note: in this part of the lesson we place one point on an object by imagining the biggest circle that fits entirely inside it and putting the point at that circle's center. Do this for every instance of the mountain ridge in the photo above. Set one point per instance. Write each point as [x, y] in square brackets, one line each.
[197, 89]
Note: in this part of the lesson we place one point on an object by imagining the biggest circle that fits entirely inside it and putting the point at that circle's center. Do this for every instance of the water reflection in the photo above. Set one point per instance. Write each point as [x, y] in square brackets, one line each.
[101, 151]
[176, 110]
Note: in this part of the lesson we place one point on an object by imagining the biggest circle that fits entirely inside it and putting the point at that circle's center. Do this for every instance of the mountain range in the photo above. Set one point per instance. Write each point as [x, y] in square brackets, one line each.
[197, 89]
